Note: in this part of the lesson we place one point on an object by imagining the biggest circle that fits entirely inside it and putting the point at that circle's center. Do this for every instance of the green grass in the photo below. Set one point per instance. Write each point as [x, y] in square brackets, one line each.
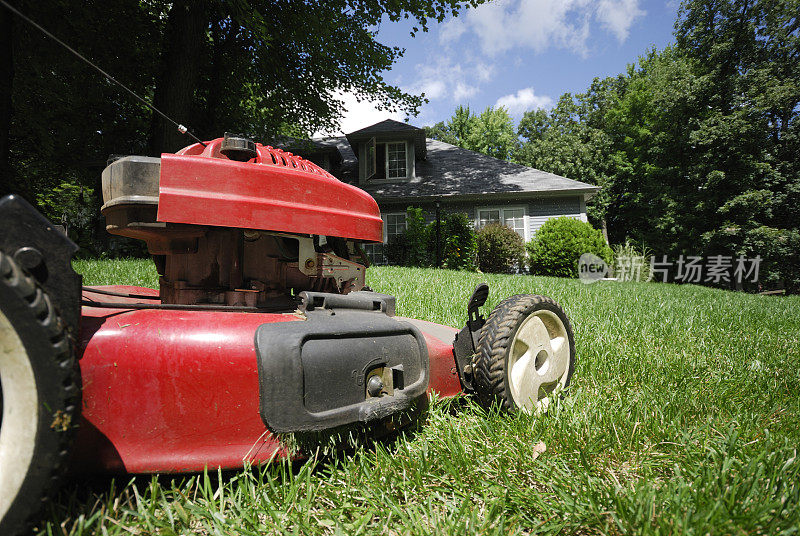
[682, 419]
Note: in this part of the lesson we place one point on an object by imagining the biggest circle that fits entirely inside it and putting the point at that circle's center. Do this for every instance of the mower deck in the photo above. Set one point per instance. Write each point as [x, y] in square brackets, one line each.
[172, 391]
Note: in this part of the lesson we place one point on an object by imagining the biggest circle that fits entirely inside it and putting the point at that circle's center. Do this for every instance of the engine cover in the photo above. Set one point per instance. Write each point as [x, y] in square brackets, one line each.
[274, 191]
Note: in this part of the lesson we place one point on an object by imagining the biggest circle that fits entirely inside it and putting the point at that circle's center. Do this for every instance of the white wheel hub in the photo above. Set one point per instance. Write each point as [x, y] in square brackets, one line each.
[20, 414]
[538, 360]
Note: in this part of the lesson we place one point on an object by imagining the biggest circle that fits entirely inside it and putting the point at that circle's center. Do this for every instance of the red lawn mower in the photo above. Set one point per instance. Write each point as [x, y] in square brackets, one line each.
[262, 326]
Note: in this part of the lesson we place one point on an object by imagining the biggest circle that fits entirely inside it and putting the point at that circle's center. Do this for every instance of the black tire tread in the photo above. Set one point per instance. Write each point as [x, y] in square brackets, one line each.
[496, 335]
[38, 303]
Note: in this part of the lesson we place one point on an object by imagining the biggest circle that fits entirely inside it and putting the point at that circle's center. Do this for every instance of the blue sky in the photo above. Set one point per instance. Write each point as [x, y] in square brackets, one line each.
[522, 54]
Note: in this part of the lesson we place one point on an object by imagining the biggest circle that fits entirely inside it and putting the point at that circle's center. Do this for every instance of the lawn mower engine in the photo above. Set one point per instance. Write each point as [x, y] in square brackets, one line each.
[239, 224]
[262, 325]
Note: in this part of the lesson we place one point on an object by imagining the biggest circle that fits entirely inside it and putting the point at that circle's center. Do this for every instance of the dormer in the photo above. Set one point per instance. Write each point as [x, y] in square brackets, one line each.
[387, 151]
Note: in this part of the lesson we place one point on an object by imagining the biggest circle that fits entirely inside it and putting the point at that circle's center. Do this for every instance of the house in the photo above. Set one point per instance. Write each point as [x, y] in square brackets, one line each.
[400, 167]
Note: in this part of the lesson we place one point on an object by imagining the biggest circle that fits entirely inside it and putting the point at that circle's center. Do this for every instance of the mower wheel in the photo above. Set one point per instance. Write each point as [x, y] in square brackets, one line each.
[526, 350]
[39, 398]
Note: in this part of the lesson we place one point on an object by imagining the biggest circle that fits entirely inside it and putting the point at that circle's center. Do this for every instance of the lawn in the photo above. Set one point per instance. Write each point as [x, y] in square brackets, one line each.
[682, 418]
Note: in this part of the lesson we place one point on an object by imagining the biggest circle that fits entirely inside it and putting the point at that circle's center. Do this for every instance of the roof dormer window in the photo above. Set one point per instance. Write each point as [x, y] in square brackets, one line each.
[386, 160]
[388, 151]
[396, 160]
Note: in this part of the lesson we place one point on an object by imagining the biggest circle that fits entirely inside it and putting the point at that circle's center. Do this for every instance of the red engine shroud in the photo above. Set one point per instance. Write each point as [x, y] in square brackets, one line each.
[275, 191]
[173, 391]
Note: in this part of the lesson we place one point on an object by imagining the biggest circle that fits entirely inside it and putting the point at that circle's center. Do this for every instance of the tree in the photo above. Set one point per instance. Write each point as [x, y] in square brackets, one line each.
[746, 55]
[280, 74]
[695, 146]
[456, 131]
[459, 248]
[66, 119]
[559, 142]
[491, 133]
[183, 50]
[256, 68]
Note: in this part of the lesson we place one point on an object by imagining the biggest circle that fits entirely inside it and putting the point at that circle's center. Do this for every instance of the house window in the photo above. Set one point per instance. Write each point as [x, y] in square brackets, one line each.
[394, 225]
[396, 160]
[386, 160]
[513, 217]
[487, 216]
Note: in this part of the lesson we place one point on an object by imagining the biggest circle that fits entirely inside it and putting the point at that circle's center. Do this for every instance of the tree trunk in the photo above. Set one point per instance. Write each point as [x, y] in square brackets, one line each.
[210, 119]
[6, 84]
[183, 49]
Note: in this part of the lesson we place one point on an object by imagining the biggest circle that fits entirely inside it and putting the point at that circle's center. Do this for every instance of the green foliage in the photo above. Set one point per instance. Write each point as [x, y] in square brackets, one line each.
[460, 243]
[213, 66]
[417, 245]
[560, 142]
[491, 133]
[76, 208]
[500, 249]
[457, 129]
[695, 146]
[631, 261]
[411, 248]
[560, 242]
[417, 236]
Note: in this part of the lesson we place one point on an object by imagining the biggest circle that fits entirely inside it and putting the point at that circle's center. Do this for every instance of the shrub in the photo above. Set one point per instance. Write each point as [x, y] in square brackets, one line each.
[411, 248]
[76, 207]
[416, 235]
[560, 242]
[500, 249]
[417, 245]
[459, 248]
[632, 261]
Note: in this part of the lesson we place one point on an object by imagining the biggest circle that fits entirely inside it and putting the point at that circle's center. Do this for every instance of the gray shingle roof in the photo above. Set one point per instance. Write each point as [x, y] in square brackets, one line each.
[387, 125]
[453, 171]
[388, 129]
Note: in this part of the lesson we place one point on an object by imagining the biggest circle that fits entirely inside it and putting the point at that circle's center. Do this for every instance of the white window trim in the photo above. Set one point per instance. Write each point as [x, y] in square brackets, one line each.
[386, 164]
[501, 208]
[405, 158]
[584, 216]
[384, 217]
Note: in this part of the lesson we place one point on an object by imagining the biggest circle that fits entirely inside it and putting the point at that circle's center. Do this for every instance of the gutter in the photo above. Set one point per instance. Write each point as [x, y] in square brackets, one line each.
[588, 193]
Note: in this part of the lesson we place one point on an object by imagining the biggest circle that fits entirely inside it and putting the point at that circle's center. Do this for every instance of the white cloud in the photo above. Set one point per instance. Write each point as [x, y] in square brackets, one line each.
[357, 115]
[541, 24]
[523, 100]
[446, 79]
[433, 89]
[483, 71]
[462, 67]
[617, 16]
[451, 30]
[463, 91]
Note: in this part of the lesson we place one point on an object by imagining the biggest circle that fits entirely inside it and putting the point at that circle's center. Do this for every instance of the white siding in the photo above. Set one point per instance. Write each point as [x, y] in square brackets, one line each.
[537, 211]
[541, 210]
